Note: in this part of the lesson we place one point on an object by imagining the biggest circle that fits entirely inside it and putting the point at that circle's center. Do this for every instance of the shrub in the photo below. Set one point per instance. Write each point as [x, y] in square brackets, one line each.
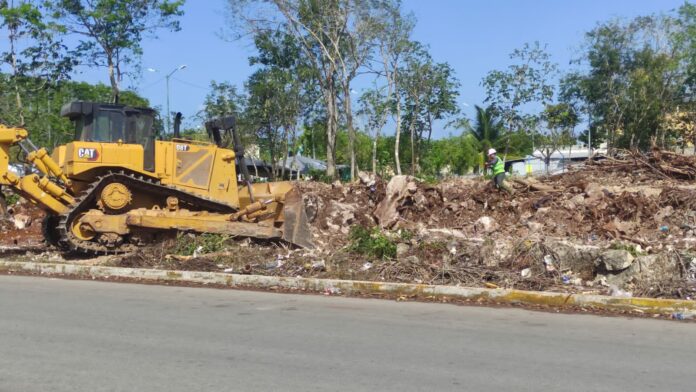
[371, 242]
[186, 244]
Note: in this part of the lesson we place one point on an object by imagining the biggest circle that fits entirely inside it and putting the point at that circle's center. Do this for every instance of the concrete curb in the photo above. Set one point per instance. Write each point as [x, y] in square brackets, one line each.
[350, 287]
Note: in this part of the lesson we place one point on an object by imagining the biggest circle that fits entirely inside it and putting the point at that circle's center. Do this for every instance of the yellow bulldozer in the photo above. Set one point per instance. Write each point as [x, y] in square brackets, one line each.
[116, 187]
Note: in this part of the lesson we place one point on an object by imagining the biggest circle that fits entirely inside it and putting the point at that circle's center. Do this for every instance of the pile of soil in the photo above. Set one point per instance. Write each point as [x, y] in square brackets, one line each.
[21, 227]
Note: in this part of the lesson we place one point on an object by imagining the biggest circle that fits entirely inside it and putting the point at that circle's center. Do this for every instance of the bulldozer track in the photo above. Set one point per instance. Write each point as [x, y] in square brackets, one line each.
[139, 183]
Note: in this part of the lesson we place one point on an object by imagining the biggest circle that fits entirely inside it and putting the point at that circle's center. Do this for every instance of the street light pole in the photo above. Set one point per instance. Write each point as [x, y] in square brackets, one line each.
[169, 111]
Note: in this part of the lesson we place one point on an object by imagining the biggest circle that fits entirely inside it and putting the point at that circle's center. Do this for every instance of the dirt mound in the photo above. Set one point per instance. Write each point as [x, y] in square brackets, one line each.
[22, 227]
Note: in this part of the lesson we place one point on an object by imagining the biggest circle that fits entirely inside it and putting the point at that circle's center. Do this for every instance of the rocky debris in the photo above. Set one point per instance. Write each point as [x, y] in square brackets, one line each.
[21, 221]
[22, 226]
[367, 179]
[402, 250]
[485, 224]
[400, 190]
[616, 259]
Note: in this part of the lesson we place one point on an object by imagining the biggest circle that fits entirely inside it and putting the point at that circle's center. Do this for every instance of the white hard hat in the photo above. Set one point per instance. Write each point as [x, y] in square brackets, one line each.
[491, 151]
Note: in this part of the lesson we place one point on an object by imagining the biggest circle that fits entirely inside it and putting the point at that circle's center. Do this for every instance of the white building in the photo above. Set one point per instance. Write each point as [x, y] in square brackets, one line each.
[560, 160]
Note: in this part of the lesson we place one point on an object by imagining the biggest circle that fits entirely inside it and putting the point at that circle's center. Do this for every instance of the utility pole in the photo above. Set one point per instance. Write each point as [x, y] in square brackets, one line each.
[169, 116]
[169, 75]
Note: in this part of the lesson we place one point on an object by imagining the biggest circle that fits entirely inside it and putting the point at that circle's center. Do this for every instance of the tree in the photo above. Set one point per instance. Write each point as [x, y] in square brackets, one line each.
[42, 117]
[222, 100]
[637, 72]
[685, 40]
[110, 32]
[560, 120]
[42, 56]
[441, 95]
[487, 129]
[415, 77]
[333, 36]
[374, 107]
[394, 43]
[430, 92]
[358, 39]
[526, 81]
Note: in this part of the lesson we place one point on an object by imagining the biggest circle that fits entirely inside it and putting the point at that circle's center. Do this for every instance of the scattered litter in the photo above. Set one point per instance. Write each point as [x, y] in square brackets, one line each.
[683, 316]
[332, 291]
[366, 266]
[617, 292]
[548, 263]
[526, 273]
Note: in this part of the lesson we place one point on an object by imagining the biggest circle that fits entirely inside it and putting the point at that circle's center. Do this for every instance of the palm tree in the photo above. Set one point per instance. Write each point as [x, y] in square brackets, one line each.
[488, 130]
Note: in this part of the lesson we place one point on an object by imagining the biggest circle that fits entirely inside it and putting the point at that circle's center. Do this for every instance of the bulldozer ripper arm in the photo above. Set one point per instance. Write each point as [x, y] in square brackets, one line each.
[39, 190]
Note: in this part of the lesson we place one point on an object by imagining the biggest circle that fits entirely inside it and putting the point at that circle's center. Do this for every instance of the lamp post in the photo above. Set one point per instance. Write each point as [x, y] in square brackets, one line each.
[183, 66]
[169, 111]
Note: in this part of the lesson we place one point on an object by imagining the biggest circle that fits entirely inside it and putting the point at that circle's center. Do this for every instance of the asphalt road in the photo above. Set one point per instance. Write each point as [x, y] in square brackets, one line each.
[58, 335]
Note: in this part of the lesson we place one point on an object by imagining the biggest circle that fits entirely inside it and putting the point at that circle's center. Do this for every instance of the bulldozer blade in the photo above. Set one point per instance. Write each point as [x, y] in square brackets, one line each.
[296, 226]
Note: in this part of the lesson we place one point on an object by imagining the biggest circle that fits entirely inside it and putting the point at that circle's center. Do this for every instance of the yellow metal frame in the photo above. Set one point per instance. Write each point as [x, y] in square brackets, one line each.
[39, 190]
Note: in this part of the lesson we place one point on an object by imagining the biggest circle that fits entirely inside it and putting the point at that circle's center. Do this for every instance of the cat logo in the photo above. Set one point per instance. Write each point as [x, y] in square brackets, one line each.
[89, 154]
[182, 147]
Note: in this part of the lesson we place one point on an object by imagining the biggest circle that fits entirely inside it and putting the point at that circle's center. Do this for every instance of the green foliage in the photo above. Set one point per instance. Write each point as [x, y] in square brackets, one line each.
[12, 199]
[187, 244]
[371, 242]
[527, 80]
[320, 176]
[45, 125]
[406, 235]
[634, 72]
[453, 154]
[110, 32]
[631, 248]
[42, 52]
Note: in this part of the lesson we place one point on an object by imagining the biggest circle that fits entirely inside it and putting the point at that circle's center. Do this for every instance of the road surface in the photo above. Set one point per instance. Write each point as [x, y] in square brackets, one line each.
[60, 335]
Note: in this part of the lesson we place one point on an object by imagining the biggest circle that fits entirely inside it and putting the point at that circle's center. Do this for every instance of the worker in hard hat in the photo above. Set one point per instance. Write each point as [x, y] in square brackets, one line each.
[498, 167]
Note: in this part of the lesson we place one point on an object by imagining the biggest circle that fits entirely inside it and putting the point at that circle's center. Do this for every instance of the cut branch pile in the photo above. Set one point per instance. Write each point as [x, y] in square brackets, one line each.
[661, 163]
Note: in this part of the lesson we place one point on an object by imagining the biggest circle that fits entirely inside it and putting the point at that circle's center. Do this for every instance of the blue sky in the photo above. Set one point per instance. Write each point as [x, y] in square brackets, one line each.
[473, 36]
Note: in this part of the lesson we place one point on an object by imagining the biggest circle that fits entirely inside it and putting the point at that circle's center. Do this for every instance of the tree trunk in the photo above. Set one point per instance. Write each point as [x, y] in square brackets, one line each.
[398, 133]
[293, 132]
[412, 130]
[430, 126]
[286, 150]
[272, 151]
[331, 125]
[374, 152]
[15, 73]
[113, 79]
[347, 107]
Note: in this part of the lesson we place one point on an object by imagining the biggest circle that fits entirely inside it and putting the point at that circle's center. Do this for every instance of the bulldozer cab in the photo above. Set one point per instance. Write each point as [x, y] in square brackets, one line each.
[111, 123]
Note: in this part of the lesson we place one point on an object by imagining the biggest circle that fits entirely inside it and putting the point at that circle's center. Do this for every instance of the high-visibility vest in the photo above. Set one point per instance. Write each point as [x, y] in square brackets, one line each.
[498, 167]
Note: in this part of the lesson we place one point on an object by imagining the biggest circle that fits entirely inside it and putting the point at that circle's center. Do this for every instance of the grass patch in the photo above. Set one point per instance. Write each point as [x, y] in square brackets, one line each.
[11, 199]
[187, 243]
[371, 242]
[627, 247]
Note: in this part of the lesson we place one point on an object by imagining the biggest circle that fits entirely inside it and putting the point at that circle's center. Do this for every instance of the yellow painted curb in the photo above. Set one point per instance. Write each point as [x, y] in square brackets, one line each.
[351, 287]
